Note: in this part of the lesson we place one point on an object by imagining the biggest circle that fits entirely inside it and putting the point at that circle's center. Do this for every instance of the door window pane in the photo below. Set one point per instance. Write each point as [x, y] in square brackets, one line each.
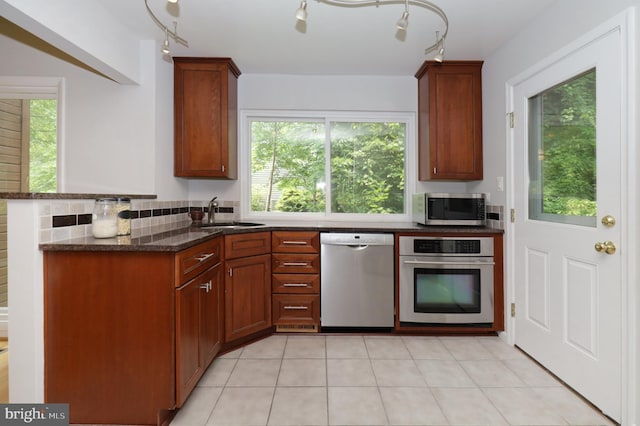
[562, 152]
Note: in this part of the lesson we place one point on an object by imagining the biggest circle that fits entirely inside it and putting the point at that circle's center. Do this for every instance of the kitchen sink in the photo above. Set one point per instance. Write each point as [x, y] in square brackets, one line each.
[230, 225]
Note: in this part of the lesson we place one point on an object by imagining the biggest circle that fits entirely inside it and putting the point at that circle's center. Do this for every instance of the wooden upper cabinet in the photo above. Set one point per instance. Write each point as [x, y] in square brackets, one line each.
[450, 120]
[205, 117]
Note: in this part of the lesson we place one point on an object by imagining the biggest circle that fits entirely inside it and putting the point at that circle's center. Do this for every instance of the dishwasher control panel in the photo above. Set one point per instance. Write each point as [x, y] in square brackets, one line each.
[339, 238]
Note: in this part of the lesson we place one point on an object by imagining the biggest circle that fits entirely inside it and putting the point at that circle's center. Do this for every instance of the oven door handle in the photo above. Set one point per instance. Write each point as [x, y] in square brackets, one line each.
[441, 263]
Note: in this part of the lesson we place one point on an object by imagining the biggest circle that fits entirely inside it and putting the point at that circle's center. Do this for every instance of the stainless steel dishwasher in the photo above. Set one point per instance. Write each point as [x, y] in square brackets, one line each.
[357, 280]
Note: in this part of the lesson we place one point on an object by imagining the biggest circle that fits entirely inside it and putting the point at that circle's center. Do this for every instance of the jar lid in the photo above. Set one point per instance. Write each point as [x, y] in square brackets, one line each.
[125, 199]
[105, 199]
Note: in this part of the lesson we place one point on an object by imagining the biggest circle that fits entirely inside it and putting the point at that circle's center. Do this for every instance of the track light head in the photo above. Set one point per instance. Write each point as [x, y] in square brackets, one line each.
[403, 22]
[301, 13]
[439, 47]
[165, 45]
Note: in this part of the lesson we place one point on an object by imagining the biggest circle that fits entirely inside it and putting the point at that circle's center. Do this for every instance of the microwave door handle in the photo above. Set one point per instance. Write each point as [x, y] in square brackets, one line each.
[440, 263]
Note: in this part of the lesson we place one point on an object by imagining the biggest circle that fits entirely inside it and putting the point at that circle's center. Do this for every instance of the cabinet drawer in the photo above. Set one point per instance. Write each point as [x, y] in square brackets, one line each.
[250, 244]
[295, 283]
[295, 263]
[295, 242]
[295, 309]
[197, 259]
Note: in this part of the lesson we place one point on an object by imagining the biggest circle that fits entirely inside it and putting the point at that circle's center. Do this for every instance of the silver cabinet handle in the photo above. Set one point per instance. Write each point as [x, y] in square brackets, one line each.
[295, 308]
[204, 257]
[293, 242]
[206, 286]
[295, 285]
[295, 263]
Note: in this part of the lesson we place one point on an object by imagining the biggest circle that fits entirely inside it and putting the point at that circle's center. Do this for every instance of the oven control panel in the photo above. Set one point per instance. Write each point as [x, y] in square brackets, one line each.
[446, 246]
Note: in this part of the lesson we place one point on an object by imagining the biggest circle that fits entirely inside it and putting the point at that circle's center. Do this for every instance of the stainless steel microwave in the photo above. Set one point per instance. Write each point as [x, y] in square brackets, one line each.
[440, 209]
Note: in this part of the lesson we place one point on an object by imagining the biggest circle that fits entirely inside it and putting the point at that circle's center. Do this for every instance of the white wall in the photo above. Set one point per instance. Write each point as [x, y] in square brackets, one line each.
[117, 138]
[318, 93]
[105, 44]
[562, 23]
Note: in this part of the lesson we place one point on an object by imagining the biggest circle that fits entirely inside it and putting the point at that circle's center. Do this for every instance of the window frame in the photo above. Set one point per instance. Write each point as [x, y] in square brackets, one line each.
[249, 116]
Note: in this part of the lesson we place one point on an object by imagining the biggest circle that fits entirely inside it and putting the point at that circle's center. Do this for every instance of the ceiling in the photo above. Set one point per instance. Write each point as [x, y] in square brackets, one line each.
[262, 36]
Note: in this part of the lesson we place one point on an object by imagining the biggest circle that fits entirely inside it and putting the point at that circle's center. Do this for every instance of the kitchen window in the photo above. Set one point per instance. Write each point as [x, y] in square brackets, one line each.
[332, 166]
[33, 110]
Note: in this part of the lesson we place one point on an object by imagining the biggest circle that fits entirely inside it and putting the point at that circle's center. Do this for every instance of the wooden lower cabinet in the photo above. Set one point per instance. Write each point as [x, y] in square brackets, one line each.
[247, 296]
[295, 283]
[129, 334]
[247, 286]
[109, 346]
[199, 328]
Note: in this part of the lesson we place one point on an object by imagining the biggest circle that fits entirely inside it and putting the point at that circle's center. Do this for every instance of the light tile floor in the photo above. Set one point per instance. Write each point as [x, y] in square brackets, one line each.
[381, 380]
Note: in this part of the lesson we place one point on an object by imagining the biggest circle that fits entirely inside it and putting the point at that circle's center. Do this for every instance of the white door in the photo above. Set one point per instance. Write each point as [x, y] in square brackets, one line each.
[567, 195]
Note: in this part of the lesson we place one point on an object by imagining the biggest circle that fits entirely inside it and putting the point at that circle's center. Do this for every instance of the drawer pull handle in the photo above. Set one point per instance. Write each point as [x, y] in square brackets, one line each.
[295, 285]
[204, 257]
[296, 308]
[295, 264]
[206, 286]
[296, 243]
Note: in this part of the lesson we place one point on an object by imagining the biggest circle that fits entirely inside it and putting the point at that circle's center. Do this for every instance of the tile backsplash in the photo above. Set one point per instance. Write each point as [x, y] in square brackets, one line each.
[495, 217]
[62, 220]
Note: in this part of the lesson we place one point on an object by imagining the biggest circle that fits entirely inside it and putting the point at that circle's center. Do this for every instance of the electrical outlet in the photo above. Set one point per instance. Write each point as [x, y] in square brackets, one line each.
[500, 183]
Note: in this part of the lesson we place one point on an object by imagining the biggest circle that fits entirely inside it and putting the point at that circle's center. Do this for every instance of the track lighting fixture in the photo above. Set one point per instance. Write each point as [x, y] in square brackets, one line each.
[301, 13]
[165, 46]
[167, 32]
[439, 47]
[401, 24]
[404, 19]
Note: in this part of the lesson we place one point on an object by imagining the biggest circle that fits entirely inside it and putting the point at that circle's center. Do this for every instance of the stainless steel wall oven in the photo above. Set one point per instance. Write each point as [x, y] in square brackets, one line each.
[446, 280]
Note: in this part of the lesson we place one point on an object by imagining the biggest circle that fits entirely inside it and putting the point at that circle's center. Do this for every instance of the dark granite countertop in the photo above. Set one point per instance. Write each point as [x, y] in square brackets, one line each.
[67, 196]
[180, 236]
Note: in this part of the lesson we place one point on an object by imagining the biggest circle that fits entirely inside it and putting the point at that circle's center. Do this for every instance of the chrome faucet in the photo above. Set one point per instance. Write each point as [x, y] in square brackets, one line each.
[213, 205]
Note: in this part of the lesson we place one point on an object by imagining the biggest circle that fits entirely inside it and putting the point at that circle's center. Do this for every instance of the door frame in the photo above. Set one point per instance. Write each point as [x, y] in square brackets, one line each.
[630, 183]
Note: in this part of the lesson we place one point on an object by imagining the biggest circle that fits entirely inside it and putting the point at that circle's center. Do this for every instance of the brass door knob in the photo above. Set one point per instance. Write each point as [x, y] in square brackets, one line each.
[605, 247]
[608, 221]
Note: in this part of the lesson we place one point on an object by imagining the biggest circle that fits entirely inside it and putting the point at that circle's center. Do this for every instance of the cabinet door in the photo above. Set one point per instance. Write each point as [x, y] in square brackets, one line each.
[450, 120]
[247, 296]
[198, 328]
[212, 322]
[205, 110]
[188, 366]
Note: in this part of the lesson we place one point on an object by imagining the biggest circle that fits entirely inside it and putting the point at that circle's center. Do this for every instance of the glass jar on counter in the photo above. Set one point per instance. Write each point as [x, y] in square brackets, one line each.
[104, 221]
[123, 206]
